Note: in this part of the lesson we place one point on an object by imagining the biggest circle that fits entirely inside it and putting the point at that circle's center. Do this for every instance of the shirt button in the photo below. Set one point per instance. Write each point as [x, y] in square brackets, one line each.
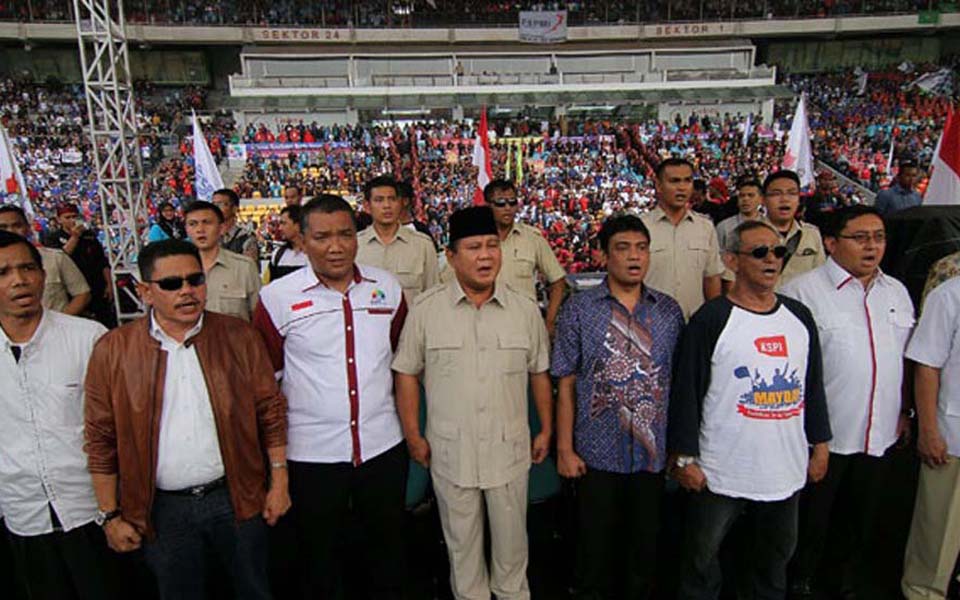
[350, 360]
[353, 423]
[353, 392]
[349, 328]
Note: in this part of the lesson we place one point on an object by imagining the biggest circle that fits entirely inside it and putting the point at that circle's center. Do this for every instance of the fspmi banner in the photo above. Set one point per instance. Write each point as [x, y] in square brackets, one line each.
[543, 27]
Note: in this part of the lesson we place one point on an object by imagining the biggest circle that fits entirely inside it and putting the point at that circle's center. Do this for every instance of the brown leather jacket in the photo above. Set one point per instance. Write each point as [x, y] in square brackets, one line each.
[124, 394]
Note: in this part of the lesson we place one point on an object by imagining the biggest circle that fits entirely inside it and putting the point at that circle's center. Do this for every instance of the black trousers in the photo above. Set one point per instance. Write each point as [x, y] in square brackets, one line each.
[72, 565]
[619, 517]
[842, 505]
[330, 499]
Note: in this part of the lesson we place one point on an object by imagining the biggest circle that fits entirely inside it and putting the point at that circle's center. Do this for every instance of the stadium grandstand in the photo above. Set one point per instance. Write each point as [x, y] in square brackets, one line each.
[326, 95]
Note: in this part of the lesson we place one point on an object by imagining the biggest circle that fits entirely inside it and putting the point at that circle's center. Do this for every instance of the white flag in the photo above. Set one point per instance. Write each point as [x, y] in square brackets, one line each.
[890, 154]
[799, 156]
[861, 81]
[205, 169]
[10, 175]
[936, 82]
[747, 129]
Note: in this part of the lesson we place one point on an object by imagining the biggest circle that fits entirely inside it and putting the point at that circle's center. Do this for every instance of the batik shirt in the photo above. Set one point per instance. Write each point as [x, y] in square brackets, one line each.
[622, 362]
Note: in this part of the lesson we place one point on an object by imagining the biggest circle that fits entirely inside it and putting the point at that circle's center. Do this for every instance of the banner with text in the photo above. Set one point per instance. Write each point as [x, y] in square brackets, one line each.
[543, 27]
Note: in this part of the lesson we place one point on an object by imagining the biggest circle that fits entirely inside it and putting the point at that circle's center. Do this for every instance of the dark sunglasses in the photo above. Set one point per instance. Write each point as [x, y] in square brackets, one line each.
[760, 252]
[172, 284]
[504, 203]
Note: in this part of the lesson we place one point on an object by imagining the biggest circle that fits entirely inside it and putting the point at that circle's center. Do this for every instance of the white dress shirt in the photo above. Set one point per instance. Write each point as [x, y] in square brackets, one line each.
[936, 343]
[863, 336]
[333, 352]
[42, 463]
[189, 450]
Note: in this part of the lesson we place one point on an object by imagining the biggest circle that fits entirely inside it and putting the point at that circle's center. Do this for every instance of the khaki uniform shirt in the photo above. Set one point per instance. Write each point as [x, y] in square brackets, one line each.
[525, 252]
[475, 365]
[809, 255]
[411, 256]
[233, 285]
[64, 279]
[681, 256]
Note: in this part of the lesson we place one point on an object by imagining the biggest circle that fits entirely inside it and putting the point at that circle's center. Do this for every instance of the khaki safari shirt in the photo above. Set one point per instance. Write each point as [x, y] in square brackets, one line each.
[411, 257]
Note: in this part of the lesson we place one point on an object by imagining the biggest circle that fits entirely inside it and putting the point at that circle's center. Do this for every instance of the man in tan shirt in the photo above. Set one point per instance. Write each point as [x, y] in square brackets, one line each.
[524, 251]
[477, 344]
[233, 284]
[781, 199]
[65, 289]
[406, 253]
[684, 253]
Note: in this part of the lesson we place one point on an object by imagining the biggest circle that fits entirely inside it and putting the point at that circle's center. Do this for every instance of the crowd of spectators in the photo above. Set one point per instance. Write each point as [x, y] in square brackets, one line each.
[887, 106]
[413, 13]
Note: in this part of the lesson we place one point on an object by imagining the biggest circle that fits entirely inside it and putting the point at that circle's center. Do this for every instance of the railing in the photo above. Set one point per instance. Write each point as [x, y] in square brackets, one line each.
[366, 14]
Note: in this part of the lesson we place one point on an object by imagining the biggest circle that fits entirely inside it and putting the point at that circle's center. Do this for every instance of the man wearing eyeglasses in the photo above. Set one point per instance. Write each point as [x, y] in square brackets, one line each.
[524, 250]
[233, 283]
[182, 409]
[864, 318]
[743, 416]
[781, 199]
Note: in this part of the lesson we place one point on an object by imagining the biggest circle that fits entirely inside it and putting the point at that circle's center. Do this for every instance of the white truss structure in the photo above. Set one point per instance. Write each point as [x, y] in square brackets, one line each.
[105, 63]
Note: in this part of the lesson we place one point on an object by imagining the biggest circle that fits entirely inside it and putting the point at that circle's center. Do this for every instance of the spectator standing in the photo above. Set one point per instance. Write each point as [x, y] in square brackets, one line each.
[900, 195]
[781, 200]
[235, 237]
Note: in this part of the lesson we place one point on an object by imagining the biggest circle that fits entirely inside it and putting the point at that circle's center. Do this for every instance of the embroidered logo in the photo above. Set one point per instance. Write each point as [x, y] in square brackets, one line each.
[301, 305]
[378, 297]
[775, 346]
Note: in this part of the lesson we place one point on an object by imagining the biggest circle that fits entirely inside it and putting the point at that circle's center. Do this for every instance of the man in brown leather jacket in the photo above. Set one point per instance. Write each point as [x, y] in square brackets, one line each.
[181, 410]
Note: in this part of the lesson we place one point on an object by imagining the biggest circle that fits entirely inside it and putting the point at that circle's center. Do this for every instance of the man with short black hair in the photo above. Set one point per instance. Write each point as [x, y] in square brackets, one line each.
[235, 237]
[186, 433]
[405, 190]
[290, 256]
[331, 330]
[749, 195]
[65, 289]
[864, 318]
[49, 507]
[684, 252]
[900, 195]
[292, 196]
[406, 253]
[781, 199]
[746, 406]
[233, 283]
[613, 356]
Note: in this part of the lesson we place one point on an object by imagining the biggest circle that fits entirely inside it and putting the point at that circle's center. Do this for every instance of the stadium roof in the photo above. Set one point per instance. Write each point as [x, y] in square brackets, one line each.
[622, 97]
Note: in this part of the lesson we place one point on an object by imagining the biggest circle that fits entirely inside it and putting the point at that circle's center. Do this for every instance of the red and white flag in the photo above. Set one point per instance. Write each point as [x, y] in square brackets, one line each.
[798, 156]
[944, 185]
[481, 158]
[11, 176]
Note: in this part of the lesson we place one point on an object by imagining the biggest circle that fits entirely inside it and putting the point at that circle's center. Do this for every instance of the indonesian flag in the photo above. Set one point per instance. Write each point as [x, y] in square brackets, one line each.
[481, 159]
[10, 174]
[799, 156]
[944, 186]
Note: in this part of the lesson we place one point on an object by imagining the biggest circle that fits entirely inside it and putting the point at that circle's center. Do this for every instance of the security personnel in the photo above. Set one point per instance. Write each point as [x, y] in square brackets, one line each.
[524, 251]
[408, 254]
[477, 344]
[781, 199]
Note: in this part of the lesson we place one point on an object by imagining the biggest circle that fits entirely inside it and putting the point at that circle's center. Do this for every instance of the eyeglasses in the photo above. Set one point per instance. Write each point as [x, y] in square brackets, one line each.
[761, 252]
[504, 203]
[172, 284]
[862, 237]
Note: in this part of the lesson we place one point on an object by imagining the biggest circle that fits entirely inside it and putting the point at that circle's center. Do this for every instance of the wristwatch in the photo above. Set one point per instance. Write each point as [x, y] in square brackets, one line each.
[909, 413]
[102, 518]
[683, 461]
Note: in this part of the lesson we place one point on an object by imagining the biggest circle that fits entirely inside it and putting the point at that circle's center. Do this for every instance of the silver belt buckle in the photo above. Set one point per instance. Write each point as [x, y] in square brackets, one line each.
[197, 490]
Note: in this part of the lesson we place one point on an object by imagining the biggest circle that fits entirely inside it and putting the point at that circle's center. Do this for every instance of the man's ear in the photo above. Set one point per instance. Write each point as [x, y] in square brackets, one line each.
[730, 261]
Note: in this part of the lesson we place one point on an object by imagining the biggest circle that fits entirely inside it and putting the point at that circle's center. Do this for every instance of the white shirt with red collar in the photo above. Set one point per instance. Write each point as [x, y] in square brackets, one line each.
[863, 336]
[332, 352]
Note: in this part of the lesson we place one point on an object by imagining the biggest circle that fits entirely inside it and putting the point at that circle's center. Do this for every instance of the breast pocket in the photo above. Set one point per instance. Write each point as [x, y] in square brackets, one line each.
[443, 353]
[698, 252]
[835, 332]
[410, 274]
[524, 264]
[899, 327]
[512, 353]
[61, 404]
[234, 303]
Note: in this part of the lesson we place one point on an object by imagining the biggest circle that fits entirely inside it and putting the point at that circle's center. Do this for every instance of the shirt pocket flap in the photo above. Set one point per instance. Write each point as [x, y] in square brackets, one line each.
[445, 341]
[698, 244]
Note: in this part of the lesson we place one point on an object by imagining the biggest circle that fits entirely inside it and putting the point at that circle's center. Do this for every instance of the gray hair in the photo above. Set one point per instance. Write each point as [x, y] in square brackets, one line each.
[733, 244]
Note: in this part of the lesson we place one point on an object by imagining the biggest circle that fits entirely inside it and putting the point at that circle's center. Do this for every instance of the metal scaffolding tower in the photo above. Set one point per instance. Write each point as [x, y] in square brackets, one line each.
[105, 63]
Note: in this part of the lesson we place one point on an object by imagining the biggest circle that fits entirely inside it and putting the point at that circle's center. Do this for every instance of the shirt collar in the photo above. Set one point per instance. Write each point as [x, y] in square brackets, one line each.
[794, 227]
[457, 295]
[33, 339]
[840, 277]
[646, 294]
[161, 336]
[660, 215]
[312, 281]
